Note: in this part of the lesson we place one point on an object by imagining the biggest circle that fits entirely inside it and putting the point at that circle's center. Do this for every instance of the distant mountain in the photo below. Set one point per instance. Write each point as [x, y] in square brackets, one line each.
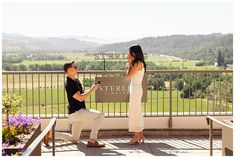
[198, 47]
[17, 42]
[184, 46]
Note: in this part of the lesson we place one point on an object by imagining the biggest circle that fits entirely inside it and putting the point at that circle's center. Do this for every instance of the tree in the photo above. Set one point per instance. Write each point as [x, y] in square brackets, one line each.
[221, 90]
[10, 105]
[179, 84]
[187, 92]
[220, 58]
[156, 84]
[22, 67]
[201, 63]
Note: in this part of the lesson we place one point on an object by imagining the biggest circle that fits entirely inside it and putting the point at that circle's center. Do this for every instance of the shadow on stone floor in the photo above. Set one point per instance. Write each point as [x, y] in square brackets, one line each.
[119, 149]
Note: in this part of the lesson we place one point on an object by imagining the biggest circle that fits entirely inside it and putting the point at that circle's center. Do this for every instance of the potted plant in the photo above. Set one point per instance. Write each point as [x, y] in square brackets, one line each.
[18, 131]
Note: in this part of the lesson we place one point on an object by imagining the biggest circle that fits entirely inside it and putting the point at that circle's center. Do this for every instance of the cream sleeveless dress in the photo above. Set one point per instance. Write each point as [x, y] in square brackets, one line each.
[136, 120]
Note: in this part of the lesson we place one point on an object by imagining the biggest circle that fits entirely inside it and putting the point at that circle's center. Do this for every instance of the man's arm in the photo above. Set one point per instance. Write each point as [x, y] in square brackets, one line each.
[81, 97]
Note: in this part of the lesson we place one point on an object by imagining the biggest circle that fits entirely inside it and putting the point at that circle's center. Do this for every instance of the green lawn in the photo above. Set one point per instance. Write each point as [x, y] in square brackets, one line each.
[44, 100]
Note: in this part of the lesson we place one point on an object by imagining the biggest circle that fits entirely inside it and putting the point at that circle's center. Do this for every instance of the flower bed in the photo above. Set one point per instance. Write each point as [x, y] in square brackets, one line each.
[20, 131]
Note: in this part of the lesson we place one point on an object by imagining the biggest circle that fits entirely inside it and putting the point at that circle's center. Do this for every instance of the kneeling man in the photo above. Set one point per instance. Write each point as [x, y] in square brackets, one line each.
[78, 114]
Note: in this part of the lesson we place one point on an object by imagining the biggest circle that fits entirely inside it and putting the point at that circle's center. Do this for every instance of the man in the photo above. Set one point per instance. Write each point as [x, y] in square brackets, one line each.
[78, 114]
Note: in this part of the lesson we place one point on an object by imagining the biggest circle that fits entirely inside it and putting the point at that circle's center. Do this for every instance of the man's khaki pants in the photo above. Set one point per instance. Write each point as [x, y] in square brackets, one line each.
[77, 120]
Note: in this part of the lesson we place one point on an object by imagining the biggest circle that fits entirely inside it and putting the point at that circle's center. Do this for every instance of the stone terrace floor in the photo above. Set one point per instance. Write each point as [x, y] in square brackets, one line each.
[153, 146]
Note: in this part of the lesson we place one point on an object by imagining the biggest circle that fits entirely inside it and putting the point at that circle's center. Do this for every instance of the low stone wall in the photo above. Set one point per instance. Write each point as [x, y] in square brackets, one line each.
[150, 123]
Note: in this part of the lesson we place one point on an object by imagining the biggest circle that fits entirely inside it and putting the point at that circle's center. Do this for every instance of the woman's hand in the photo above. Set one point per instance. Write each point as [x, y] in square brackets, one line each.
[129, 59]
[127, 66]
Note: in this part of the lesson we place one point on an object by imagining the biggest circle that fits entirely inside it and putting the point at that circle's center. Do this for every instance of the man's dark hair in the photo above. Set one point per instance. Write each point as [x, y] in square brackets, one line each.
[67, 65]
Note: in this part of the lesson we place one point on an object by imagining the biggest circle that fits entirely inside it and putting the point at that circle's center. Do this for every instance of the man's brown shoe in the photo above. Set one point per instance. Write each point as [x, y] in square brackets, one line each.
[46, 138]
[96, 144]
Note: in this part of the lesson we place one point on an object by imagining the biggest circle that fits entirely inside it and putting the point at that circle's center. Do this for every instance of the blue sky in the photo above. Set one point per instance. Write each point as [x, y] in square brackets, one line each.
[117, 20]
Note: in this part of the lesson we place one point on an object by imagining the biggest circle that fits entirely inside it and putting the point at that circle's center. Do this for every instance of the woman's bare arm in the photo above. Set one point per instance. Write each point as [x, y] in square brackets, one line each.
[133, 71]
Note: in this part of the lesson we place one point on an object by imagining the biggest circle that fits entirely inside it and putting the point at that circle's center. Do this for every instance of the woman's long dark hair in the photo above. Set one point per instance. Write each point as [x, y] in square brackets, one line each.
[136, 51]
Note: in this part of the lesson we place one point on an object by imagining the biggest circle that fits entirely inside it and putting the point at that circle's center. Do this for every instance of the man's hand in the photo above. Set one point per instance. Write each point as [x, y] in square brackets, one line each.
[94, 87]
[81, 97]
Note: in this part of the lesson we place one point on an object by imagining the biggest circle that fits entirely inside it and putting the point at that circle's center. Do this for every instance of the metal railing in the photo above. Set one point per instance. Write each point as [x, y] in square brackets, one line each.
[205, 92]
[38, 140]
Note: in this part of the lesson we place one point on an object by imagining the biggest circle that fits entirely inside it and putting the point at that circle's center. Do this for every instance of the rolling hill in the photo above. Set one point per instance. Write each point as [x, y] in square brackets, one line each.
[198, 47]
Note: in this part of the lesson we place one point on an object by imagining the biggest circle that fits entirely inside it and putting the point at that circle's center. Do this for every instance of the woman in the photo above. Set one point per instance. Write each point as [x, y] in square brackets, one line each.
[135, 69]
